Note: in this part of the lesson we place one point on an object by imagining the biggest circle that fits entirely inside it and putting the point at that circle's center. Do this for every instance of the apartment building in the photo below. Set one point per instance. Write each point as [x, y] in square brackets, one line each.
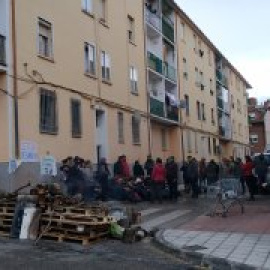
[259, 122]
[106, 81]
[78, 79]
[205, 86]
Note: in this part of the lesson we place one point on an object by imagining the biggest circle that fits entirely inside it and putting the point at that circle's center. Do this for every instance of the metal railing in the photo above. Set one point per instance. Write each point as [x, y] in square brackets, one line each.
[2, 50]
[167, 30]
[169, 71]
[153, 19]
[156, 107]
[154, 62]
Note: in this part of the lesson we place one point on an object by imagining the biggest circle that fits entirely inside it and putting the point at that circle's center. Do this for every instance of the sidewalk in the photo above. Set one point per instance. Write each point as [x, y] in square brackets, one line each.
[236, 242]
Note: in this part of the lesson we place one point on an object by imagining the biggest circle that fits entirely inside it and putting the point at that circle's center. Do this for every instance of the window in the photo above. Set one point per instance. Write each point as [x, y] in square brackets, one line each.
[212, 117]
[252, 116]
[211, 87]
[195, 45]
[254, 139]
[215, 146]
[164, 144]
[131, 29]
[76, 118]
[48, 112]
[187, 104]
[196, 142]
[209, 57]
[89, 58]
[202, 80]
[102, 5]
[120, 119]
[185, 69]
[209, 146]
[199, 110]
[87, 6]
[133, 80]
[135, 123]
[197, 79]
[203, 112]
[106, 66]
[45, 38]
[182, 31]
[189, 143]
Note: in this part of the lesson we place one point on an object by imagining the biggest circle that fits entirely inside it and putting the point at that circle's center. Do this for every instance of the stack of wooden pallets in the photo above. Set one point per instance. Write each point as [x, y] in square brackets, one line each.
[83, 224]
[7, 210]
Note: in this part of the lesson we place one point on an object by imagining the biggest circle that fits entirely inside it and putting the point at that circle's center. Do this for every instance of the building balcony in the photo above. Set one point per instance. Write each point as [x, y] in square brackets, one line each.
[154, 62]
[225, 133]
[157, 107]
[169, 72]
[3, 51]
[153, 19]
[172, 113]
[167, 30]
[167, 114]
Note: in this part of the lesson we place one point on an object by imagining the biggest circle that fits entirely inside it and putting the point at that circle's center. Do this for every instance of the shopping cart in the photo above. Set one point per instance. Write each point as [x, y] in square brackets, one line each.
[228, 194]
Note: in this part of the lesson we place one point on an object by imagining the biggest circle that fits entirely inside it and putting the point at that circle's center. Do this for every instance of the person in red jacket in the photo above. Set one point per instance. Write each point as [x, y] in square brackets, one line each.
[158, 180]
[250, 179]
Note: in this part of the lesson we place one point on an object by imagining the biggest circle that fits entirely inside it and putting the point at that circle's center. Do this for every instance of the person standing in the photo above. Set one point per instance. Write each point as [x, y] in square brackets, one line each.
[103, 174]
[249, 177]
[239, 174]
[158, 180]
[138, 171]
[149, 165]
[202, 174]
[212, 171]
[193, 175]
[261, 168]
[185, 176]
[172, 176]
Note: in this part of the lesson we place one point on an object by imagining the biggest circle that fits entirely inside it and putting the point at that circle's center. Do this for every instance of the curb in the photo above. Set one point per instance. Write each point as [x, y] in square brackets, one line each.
[207, 261]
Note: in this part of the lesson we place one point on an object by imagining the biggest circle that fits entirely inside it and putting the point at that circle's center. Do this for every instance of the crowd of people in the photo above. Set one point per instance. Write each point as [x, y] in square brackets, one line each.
[156, 180]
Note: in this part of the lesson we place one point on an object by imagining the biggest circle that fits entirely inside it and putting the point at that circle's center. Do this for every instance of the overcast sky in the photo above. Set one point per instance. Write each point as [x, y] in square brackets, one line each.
[240, 30]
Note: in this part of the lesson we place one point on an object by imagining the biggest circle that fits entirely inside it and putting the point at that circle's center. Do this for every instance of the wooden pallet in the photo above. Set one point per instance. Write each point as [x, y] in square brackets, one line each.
[70, 238]
[77, 219]
[86, 211]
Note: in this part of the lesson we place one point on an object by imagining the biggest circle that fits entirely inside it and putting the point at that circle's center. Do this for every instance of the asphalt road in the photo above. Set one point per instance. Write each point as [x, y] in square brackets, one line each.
[107, 255]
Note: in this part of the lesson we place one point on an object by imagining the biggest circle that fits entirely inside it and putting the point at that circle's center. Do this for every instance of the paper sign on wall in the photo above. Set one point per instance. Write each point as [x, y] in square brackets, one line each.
[29, 151]
[13, 165]
[48, 166]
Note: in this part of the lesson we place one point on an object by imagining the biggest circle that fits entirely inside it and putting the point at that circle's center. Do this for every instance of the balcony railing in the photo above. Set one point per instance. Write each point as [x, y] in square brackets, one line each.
[156, 107]
[154, 62]
[225, 132]
[2, 50]
[167, 30]
[172, 113]
[153, 19]
[169, 71]
[219, 75]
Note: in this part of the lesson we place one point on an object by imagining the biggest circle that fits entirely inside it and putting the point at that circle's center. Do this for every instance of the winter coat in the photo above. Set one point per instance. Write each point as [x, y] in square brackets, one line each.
[172, 171]
[159, 173]
[193, 170]
[247, 169]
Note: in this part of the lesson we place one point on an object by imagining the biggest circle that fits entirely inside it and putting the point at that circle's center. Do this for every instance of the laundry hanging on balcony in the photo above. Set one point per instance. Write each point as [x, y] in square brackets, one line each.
[171, 100]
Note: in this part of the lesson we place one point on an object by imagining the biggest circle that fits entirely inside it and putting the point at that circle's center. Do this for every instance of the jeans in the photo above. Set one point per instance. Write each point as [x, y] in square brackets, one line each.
[195, 187]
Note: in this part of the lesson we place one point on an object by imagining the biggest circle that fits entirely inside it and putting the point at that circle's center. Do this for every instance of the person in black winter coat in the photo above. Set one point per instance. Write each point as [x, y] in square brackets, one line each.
[138, 171]
[193, 175]
[103, 174]
[172, 176]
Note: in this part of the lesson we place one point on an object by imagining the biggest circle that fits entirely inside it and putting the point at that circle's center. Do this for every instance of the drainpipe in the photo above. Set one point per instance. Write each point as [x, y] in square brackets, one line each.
[146, 86]
[15, 84]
